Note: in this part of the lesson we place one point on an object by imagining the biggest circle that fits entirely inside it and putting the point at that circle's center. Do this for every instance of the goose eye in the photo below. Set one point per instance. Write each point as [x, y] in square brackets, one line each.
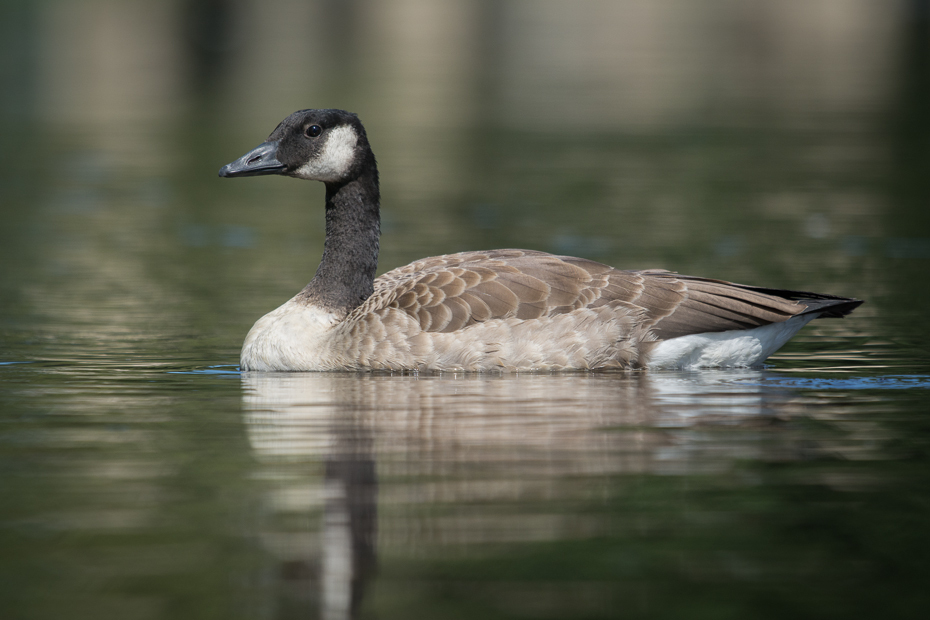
[313, 131]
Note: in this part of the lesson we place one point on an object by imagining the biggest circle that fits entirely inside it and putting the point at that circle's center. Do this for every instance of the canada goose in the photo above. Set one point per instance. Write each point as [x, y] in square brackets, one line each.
[494, 310]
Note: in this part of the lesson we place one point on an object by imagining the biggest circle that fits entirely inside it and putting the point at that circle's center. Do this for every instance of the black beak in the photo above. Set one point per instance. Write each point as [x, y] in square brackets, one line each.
[260, 160]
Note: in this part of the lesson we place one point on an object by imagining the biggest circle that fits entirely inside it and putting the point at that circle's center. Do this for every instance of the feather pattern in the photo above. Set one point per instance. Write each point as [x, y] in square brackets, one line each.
[528, 310]
[493, 310]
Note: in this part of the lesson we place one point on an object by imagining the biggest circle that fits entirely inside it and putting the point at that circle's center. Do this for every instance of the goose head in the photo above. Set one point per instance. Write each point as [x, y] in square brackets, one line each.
[318, 145]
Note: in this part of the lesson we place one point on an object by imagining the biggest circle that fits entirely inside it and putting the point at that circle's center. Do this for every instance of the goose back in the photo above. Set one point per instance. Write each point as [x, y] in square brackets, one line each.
[523, 309]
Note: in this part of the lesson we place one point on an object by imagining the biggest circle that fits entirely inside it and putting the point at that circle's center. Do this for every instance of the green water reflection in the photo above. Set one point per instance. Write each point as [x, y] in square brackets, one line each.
[645, 495]
[141, 476]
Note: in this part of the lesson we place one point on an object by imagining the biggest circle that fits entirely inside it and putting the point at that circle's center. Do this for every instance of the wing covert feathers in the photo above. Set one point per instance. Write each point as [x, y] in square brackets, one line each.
[430, 307]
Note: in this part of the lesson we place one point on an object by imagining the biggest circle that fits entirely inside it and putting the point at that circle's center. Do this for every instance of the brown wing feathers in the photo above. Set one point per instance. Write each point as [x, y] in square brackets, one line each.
[448, 293]
[714, 306]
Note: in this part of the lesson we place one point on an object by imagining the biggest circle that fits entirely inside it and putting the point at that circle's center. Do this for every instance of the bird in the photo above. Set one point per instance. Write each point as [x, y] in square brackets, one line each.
[506, 310]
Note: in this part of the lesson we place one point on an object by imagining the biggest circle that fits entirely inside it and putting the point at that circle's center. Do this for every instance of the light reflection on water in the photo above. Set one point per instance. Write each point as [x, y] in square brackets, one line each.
[583, 415]
[413, 465]
[350, 495]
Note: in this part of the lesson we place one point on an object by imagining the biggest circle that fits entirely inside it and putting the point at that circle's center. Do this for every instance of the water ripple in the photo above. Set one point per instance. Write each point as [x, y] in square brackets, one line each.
[888, 382]
[220, 369]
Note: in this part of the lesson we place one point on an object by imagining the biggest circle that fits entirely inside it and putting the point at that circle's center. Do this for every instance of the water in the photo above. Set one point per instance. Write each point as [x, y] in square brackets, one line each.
[142, 476]
[143, 492]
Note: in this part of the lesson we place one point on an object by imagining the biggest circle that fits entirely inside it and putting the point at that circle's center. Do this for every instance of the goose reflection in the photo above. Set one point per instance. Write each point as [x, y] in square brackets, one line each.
[458, 440]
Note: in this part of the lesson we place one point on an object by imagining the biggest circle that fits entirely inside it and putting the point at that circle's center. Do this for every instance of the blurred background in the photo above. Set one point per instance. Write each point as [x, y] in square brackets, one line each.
[778, 143]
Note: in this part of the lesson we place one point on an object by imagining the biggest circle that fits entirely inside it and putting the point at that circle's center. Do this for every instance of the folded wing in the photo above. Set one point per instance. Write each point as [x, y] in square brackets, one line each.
[450, 293]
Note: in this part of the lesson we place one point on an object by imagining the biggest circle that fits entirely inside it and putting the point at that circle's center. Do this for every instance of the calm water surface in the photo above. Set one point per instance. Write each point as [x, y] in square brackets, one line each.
[136, 490]
[142, 476]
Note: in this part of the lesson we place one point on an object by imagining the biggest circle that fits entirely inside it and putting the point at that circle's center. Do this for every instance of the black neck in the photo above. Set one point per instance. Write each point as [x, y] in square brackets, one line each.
[345, 277]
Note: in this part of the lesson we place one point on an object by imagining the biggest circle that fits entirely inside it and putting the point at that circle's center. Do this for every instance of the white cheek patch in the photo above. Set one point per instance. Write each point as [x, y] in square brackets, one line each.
[336, 158]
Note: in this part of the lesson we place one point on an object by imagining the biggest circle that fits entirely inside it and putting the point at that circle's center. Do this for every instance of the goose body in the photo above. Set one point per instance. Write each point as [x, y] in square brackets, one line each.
[494, 310]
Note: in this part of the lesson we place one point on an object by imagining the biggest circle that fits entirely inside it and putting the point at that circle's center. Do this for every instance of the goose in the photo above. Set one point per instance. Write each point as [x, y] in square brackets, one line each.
[497, 310]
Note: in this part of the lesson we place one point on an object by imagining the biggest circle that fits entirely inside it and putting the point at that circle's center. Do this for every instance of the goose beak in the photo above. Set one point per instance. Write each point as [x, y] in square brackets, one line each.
[260, 160]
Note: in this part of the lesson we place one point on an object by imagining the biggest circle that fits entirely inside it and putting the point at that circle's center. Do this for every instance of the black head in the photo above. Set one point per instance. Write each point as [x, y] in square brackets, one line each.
[318, 145]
